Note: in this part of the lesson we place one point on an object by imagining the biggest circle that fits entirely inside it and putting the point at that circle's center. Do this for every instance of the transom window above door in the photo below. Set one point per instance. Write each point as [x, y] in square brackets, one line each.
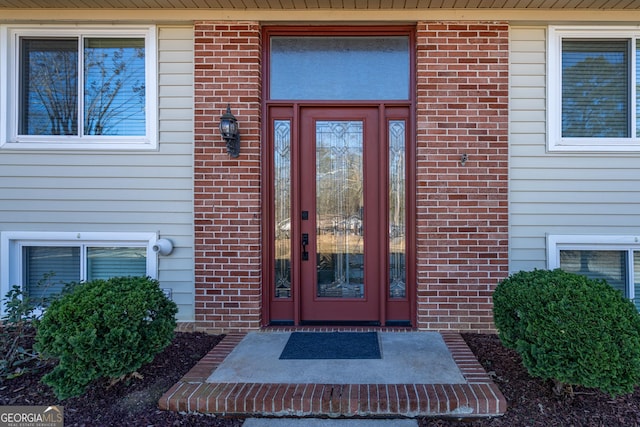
[339, 175]
[339, 68]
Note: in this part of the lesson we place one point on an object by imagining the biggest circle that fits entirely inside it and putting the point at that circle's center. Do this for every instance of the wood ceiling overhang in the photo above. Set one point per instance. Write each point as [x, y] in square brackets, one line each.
[245, 5]
[627, 11]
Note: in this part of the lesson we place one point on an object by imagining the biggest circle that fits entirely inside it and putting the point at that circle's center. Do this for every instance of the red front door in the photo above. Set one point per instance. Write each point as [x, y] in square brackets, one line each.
[340, 229]
[337, 245]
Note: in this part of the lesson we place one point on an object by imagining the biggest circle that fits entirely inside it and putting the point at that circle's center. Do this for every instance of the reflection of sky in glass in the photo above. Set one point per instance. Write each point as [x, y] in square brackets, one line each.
[339, 68]
[49, 88]
[614, 52]
[114, 87]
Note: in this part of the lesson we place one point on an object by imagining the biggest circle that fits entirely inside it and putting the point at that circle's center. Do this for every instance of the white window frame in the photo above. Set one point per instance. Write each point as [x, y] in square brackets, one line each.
[12, 242]
[555, 140]
[558, 242]
[9, 93]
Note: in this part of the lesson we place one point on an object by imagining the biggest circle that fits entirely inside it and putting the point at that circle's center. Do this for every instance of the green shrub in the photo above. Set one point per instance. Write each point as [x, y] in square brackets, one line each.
[104, 329]
[17, 328]
[16, 332]
[571, 329]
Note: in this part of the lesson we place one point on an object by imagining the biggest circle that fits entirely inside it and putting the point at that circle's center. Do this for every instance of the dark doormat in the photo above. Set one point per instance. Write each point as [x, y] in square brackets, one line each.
[332, 345]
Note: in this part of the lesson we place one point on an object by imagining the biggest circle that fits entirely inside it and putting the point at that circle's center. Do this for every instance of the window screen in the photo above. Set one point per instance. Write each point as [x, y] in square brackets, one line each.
[595, 88]
[114, 86]
[47, 268]
[103, 263]
[101, 92]
[49, 87]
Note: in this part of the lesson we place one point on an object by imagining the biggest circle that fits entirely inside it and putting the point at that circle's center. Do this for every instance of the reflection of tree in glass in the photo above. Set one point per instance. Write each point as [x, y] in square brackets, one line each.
[50, 86]
[114, 90]
[339, 186]
[594, 98]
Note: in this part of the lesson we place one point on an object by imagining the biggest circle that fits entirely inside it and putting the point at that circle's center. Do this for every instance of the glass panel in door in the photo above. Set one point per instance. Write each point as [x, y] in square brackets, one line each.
[338, 247]
[282, 205]
[397, 210]
[339, 223]
[339, 209]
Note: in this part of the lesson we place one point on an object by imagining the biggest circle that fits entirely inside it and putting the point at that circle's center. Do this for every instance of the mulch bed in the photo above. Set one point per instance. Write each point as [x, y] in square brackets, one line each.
[531, 401]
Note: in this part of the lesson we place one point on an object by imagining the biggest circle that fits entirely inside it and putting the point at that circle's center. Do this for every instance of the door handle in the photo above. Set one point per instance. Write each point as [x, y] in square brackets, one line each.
[305, 243]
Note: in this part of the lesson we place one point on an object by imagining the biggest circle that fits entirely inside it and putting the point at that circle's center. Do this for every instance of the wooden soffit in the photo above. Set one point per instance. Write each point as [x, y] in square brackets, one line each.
[320, 10]
[323, 4]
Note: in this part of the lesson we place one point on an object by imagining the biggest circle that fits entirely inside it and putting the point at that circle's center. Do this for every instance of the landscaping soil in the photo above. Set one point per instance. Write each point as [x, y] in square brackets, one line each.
[531, 402]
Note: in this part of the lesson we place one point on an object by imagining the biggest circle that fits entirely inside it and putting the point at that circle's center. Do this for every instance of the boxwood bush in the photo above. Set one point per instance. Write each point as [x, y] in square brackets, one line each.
[104, 329]
[570, 329]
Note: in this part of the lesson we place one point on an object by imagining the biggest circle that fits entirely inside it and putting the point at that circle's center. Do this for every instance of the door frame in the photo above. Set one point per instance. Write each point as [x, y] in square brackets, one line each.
[287, 311]
[275, 311]
[312, 307]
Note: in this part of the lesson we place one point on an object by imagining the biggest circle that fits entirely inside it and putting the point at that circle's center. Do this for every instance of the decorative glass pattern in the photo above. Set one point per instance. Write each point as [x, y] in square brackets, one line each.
[339, 209]
[397, 211]
[282, 192]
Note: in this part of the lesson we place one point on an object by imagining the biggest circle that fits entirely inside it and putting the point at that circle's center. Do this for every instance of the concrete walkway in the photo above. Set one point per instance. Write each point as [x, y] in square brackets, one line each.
[419, 374]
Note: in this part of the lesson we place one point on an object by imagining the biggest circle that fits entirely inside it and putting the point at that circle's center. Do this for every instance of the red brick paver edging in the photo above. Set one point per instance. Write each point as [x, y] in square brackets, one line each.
[479, 397]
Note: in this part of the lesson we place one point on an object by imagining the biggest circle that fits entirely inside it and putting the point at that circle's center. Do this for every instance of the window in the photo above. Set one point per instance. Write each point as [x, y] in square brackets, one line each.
[81, 89]
[41, 263]
[339, 67]
[593, 101]
[613, 258]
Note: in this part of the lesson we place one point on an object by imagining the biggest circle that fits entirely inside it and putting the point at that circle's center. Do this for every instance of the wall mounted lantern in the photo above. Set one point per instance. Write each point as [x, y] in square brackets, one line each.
[229, 132]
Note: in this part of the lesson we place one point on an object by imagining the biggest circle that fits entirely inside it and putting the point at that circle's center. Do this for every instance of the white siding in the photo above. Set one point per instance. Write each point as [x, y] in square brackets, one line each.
[558, 193]
[115, 191]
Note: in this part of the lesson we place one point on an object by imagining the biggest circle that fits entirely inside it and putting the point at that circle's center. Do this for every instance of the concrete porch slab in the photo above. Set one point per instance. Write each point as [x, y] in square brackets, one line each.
[407, 357]
[421, 374]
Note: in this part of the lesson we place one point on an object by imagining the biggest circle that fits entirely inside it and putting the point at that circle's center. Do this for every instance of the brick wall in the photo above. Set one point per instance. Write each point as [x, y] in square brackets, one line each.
[462, 218]
[226, 190]
[461, 242]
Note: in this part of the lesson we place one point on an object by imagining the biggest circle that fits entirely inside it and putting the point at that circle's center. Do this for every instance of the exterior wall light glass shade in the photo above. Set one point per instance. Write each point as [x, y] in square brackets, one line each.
[229, 132]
